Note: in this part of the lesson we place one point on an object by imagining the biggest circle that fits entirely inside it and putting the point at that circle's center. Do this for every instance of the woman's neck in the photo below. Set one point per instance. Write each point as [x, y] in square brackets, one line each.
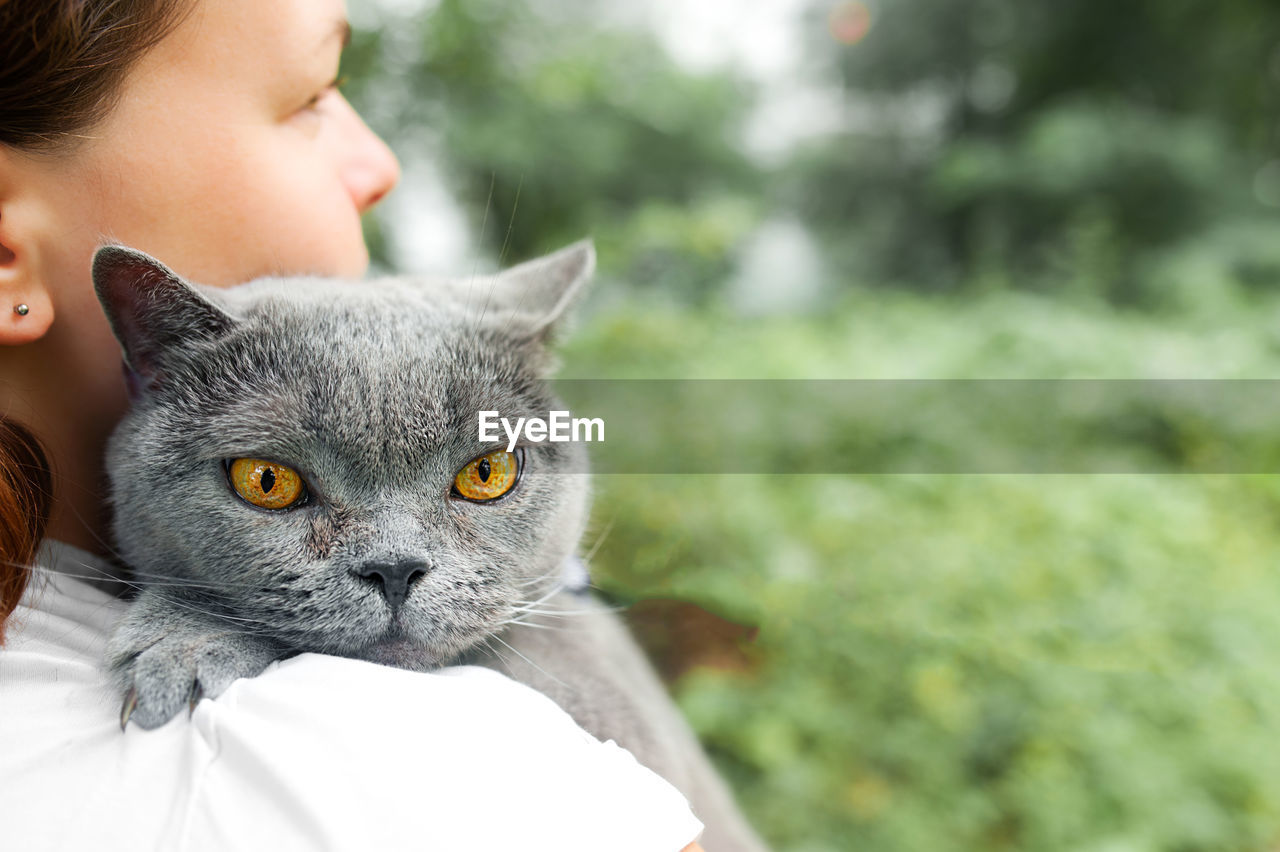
[71, 404]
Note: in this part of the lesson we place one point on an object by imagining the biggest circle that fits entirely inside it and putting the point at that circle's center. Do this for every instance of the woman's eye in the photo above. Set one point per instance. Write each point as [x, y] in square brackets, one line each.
[320, 95]
[488, 477]
[266, 484]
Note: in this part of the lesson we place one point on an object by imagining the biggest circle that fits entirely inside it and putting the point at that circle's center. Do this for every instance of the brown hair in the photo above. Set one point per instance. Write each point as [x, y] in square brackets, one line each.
[26, 495]
[61, 66]
[62, 62]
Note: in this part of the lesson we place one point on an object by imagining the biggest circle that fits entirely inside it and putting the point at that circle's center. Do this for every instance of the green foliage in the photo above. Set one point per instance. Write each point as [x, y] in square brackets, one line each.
[967, 662]
[553, 131]
[1071, 147]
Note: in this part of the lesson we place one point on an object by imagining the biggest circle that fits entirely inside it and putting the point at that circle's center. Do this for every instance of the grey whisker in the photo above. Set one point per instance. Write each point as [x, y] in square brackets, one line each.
[136, 579]
[568, 613]
[608, 528]
[524, 623]
[552, 592]
[506, 242]
[486, 644]
[484, 222]
[530, 662]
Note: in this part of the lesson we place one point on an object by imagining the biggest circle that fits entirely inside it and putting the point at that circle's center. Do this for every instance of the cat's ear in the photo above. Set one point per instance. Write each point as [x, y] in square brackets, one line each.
[535, 296]
[151, 310]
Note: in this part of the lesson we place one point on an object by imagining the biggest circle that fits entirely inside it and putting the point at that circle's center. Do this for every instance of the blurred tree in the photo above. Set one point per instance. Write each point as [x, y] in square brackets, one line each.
[1041, 144]
[552, 125]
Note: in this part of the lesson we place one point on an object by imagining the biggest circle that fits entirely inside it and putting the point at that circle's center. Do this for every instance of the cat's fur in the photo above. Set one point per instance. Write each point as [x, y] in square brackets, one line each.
[370, 390]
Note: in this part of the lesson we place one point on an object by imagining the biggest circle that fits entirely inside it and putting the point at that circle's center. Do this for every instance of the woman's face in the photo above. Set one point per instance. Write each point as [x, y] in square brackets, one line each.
[230, 155]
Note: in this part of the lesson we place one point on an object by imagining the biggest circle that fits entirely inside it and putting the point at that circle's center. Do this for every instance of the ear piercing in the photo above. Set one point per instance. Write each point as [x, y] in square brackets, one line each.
[21, 310]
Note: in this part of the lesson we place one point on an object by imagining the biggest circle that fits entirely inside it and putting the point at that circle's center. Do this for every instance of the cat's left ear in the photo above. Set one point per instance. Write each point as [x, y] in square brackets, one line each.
[152, 311]
[535, 297]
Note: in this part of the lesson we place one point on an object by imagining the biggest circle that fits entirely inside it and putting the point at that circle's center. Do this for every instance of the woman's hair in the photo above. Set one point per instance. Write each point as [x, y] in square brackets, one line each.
[62, 63]
[26, 495]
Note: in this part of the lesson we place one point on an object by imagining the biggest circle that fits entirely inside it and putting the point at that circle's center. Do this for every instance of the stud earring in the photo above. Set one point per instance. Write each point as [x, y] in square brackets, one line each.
[21, 310]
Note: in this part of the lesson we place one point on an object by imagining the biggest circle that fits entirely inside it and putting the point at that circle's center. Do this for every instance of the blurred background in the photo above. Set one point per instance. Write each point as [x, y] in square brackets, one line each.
[905, 189]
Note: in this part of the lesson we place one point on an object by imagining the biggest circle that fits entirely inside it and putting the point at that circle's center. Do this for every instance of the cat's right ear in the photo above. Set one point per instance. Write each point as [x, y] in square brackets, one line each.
[151, 310]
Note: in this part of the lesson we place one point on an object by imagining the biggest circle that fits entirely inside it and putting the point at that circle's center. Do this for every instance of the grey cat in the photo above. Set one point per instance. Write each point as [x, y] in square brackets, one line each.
[300, 471]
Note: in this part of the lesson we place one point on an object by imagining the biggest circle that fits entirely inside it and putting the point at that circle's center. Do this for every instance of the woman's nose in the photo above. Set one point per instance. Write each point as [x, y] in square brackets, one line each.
[369, 169]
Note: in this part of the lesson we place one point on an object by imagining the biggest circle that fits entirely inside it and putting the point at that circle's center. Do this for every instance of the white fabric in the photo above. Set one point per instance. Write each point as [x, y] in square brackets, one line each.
[317, 753]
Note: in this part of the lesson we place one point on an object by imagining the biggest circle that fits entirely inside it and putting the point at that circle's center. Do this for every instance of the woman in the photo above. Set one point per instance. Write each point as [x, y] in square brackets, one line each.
[210, 133]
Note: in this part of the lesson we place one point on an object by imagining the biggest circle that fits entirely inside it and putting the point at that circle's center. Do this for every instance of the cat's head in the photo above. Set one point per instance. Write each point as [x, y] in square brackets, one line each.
[303, 455]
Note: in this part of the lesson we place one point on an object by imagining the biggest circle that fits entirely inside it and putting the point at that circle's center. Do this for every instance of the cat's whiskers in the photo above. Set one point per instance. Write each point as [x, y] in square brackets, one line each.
[484, 222]
[96, 577]
[97, 574]
[136, 580]
[157, 587]
[502, 256]
[487, 645]
[498, 638]
[211, 613]
[533, 581]
[128, 574]
[608, 528]
[536, 608]
[524, 604]
[523, 623]
[520, 608]
[567, 613]
[552, 575]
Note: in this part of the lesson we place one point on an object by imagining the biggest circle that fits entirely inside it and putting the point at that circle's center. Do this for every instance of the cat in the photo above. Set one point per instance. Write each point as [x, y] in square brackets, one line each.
[300, 470]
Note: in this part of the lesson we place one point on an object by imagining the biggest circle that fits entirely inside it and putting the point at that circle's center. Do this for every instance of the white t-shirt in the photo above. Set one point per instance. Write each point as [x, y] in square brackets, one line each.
[317, 753]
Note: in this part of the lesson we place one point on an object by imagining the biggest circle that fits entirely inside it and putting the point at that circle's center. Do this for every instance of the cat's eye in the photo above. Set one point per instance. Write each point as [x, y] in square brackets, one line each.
[488, 477]
[266, 484]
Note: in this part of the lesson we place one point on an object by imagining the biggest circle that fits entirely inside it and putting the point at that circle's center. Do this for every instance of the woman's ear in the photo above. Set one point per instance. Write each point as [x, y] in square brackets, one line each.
[26, 309]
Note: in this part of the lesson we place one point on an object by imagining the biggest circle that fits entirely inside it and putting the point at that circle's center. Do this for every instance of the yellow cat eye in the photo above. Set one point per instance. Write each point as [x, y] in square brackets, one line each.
[488, 477]
[265, 484]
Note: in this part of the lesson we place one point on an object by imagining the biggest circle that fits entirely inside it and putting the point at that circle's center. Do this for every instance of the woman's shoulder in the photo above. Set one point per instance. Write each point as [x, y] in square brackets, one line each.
[382, 758]
[318, 752]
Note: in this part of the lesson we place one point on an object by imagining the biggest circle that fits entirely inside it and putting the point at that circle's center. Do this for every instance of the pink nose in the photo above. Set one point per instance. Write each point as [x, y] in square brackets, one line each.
[369, 169]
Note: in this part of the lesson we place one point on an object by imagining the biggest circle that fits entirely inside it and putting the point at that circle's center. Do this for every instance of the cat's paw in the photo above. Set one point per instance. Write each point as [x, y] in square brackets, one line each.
[163, 678]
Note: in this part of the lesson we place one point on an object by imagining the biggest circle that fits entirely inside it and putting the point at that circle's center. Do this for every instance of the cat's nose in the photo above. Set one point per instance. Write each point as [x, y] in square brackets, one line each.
[395, 577]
